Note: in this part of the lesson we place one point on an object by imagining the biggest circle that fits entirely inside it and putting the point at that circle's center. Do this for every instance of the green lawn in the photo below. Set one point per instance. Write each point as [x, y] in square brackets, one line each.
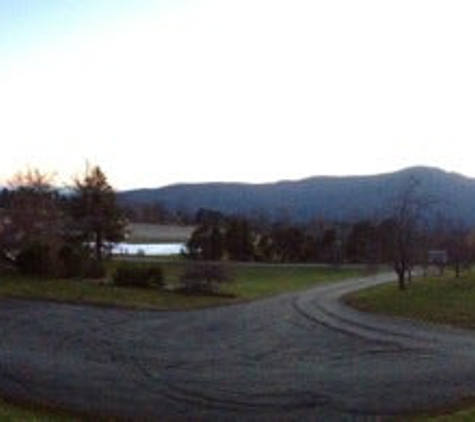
[10, 412]
[254, 281]
[459, 416]
[251, 282]
[440, 299]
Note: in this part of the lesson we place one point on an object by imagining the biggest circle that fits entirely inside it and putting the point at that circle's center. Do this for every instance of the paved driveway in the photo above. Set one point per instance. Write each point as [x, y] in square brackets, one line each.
[298, 356]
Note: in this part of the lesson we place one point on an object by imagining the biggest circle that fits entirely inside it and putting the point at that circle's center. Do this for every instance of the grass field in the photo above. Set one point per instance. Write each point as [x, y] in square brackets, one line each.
[158, 233]
[465, 415]
[250, 282]
[444, 300]
[14, 413]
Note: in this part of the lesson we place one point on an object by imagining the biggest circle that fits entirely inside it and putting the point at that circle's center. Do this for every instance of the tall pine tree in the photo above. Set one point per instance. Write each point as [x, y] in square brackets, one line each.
[97, 218]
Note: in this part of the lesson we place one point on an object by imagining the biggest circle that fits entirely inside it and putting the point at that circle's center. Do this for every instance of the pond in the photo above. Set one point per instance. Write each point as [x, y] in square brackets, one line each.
[148, 249]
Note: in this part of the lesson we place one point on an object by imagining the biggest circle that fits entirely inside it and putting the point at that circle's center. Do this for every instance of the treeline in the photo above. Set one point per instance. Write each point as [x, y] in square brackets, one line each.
[156, 213]
[385, 241]
[218, 236]
[49, 232]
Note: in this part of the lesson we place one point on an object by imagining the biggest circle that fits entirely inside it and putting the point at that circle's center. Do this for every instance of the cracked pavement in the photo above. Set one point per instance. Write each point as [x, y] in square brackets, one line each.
[301, 356]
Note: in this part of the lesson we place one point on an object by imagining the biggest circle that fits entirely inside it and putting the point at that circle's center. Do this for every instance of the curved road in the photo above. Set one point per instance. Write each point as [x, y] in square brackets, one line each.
[297, 356]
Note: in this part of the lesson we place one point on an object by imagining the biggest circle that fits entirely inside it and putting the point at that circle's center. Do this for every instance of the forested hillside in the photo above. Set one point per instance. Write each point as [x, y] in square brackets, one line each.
[329, 198]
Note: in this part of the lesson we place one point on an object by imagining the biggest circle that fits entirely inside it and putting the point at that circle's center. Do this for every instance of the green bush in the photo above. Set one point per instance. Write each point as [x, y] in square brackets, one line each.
[204, 278]
[127, 275]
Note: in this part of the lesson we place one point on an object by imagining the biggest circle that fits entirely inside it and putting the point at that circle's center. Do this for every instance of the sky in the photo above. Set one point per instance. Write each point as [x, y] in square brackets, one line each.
[162, 92]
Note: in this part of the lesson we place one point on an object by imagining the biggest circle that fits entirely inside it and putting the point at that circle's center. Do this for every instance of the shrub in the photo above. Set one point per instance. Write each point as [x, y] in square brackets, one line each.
[71, 260]
[40, 260]
[76, 261]
[35, 260]
[204, 278]
[92, 268]
[128, 275]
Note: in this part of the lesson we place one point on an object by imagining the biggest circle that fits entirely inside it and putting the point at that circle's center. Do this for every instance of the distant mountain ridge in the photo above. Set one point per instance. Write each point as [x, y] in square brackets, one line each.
[326, 197]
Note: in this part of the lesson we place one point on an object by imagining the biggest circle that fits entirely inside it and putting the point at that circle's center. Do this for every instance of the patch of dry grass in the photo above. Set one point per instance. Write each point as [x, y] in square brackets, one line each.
[158, 233]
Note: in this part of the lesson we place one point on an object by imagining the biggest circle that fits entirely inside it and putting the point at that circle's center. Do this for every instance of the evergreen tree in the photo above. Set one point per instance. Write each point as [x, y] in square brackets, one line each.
[96, 216]
[239, 240]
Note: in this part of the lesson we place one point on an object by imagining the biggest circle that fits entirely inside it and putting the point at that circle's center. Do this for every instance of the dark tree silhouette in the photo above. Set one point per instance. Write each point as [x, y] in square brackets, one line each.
[96, 216]
[32, 226]
[406, 228]
[453, 239]
[239, 240]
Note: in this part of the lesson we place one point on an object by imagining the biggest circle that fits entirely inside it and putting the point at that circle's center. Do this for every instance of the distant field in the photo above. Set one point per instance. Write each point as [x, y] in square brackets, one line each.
[158, 233]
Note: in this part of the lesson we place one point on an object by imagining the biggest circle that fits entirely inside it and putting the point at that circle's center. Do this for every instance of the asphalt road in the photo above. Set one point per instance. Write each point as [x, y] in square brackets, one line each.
[294, 357]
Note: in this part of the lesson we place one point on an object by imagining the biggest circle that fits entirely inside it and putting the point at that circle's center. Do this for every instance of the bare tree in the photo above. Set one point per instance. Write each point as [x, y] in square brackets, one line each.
[406, 216]
[34, 210]
[457, 245]
[33, 221]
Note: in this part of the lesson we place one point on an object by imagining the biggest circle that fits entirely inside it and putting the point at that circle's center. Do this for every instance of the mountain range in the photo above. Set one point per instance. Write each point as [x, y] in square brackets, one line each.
[347, 198]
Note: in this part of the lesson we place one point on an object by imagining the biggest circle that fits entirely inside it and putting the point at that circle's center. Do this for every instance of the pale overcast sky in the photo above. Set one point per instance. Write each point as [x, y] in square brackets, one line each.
[158, 92]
